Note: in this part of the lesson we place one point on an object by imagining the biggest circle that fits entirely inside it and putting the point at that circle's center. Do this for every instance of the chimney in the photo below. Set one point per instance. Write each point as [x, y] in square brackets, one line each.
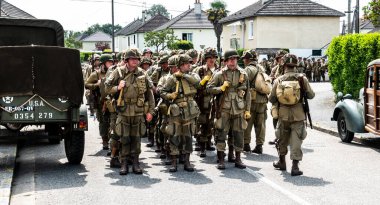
[197, 8]
[143, 16]
[264, 1]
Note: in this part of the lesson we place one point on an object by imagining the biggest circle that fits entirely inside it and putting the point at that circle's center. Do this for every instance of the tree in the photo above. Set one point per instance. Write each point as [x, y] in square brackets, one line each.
[160, 39]
[106, 28]
[158, 9]
[372, 12]
[70, 39]
[215, 14]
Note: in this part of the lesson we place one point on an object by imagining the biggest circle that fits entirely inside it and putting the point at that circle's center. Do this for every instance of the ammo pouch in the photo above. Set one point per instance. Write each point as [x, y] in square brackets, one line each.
[110, 104]
[174, 110]
[253, 94]
[163, 108]
[141, 85]
[240, 103]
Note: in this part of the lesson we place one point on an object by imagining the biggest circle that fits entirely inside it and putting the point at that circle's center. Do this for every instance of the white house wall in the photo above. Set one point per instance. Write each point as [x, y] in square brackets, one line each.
[204, 37]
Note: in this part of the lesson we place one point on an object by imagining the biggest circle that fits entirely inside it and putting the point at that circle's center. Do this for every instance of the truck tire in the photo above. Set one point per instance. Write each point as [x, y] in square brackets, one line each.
[14, 127]
[74, 147]
[344, 134]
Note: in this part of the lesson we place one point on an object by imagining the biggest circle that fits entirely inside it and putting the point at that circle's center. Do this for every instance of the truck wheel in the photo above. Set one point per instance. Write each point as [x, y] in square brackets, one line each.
[74, 147]
[14, 127]
[344, 134]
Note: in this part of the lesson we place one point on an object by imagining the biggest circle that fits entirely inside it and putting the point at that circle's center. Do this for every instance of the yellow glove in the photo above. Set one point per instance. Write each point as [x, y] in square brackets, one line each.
[247, 115]
[225, 85]
[205, 80]
[178, 74]
[172, 96]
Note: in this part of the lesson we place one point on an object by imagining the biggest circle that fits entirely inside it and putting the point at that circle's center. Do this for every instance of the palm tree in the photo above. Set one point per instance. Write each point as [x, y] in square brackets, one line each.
[215, 13]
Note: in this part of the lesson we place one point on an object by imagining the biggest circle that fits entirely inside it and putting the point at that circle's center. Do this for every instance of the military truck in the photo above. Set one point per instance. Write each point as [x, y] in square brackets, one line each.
[41, 84]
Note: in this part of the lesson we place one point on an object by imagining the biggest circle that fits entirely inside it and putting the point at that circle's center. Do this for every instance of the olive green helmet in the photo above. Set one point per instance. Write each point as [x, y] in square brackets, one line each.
[163, 59]
[147, 50]
[210, 53]
[231, 54]
[105, 57]
[132, 53]
[281, 53]
[192, 53]
[173, 61]
[247, 55]
[119, 56]
[146, 60]
[96, 57]
[183, 59]
[254, 54]
[290, 60]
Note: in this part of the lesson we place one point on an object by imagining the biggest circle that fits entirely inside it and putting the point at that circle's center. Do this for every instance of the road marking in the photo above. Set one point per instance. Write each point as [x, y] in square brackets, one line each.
[7, 163]
[277, 187]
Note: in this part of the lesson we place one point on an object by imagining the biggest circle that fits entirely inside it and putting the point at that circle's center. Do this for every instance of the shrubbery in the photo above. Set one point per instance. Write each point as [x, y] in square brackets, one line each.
[183, 45]
[348, 58]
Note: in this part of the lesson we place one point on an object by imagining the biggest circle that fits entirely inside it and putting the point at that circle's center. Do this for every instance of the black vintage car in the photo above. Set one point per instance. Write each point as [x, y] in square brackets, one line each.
[41, 83]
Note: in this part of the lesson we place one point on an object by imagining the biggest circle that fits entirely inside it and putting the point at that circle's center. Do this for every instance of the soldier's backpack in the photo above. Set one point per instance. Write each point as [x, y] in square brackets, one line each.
[288, 92]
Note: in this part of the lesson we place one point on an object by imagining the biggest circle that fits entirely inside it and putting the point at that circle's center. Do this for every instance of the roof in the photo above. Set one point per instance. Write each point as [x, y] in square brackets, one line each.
[131, 26]
[188, 20]
[366, 24]
[283, 8]
[98, 36]
[10, 11]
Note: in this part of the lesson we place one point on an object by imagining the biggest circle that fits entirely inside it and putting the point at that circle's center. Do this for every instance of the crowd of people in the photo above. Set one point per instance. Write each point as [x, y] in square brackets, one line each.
[181, 96]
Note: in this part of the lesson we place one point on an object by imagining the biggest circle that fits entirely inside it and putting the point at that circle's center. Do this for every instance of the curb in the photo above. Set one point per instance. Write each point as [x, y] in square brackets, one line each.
[7, 165]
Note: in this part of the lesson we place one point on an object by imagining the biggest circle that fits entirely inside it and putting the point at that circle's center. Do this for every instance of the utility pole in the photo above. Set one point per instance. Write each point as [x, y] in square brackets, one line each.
[113, 29]
[1, 1]
[349, 29]
[357, 20]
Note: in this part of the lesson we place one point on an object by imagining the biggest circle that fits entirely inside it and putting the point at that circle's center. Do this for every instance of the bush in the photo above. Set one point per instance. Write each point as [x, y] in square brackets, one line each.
[183, 45]
[348, 57]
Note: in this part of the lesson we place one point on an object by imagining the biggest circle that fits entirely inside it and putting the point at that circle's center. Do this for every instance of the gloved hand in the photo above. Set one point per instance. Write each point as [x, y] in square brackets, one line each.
[205, 80]
[247, 115]
[172, 95]
[225, 85]
[178, 74]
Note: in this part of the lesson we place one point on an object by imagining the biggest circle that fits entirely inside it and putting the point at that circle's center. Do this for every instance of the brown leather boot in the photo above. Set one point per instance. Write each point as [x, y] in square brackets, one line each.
[203, 149]
[221, 165]
[187, 166]
[173, 168]
[124, 167]
[114, 163]
[281, 164]
[231, 157]
[238, 163]
[295, 169]
[136, 165]
[258, 149]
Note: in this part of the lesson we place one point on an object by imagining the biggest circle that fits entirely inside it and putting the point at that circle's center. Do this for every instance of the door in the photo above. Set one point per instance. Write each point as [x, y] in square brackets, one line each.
[372, 99]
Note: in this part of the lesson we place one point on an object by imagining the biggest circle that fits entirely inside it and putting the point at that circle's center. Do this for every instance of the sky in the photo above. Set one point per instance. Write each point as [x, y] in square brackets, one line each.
[78, 15]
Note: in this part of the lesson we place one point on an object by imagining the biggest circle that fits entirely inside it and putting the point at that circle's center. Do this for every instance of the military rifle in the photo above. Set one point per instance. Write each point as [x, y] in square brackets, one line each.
[305, 103]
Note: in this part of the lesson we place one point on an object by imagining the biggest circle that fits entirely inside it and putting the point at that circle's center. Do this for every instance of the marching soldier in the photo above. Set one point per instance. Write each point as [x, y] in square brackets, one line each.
[309, 69]
[194, 56]
[135, 99]
[290, 129]
[96, 84]
[203, 99]
[234, 106]
[180, 90]
[323, 69]
[259, 88]
[145, 64]
[317, 71]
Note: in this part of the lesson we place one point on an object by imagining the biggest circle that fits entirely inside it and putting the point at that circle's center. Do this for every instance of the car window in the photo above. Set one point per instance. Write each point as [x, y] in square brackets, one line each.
[370, 78]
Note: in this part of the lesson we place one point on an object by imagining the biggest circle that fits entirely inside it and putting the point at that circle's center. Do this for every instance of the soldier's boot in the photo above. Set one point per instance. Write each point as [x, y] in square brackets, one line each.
[221, 160]
[124, 167]
[203, 149]
[136, 165]
[258, 149]
[280, 164]
[181, 159]
[173, 168]
[151, 140]
[209, 146]
[295, 169]
[231, 157]
[197, 144]
[238, 163]
[115, 162]
[169, 158]
[105, 143]
[163, 153]
[187, 166]
[247, 148]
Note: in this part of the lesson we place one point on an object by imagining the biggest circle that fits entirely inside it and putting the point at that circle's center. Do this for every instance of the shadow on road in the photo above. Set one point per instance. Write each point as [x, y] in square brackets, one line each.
[195, 178]
[260, 158]
[304, 180]
[234, 173]
[137, 181]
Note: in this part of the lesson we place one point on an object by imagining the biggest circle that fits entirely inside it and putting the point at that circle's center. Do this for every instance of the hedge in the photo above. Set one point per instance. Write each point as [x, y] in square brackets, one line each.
[348, 58]
[183, 45]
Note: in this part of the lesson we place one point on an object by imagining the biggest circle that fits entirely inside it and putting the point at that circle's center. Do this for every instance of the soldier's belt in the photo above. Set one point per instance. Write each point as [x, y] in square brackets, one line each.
[130, 100]
[184, 99]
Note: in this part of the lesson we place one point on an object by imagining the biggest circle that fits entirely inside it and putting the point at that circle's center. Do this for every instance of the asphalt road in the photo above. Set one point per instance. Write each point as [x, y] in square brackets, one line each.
[334, 173]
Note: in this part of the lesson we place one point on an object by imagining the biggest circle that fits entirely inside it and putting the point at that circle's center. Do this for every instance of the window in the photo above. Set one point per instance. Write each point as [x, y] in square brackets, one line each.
[250, 30]
[129, 41]
[234, 29]
[187, 37]
[234, 43]
[134, 39]
[316, 53]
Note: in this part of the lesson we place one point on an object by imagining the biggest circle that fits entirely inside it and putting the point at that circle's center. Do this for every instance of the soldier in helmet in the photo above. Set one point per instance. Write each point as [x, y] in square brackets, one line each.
[194, 55]
[147, 53]
[234, 106]
[290, 129]
[96, 84]
[259, 88]
[145, 64]
[135, 100]
[179, 90]
[204, 122]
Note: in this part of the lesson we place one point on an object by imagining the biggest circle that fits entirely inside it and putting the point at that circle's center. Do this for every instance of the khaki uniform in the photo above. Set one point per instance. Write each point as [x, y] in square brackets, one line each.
[183, 112]
[317, 72]
[258, 108]
[111, 107]
[232, 104]
[138, 99]
[290, 129]
[163, 110]
[203, 99]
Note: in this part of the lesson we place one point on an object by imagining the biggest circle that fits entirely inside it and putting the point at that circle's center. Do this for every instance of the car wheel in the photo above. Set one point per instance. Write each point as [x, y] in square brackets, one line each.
[74, 147]
[14, 127]
[344, 134]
